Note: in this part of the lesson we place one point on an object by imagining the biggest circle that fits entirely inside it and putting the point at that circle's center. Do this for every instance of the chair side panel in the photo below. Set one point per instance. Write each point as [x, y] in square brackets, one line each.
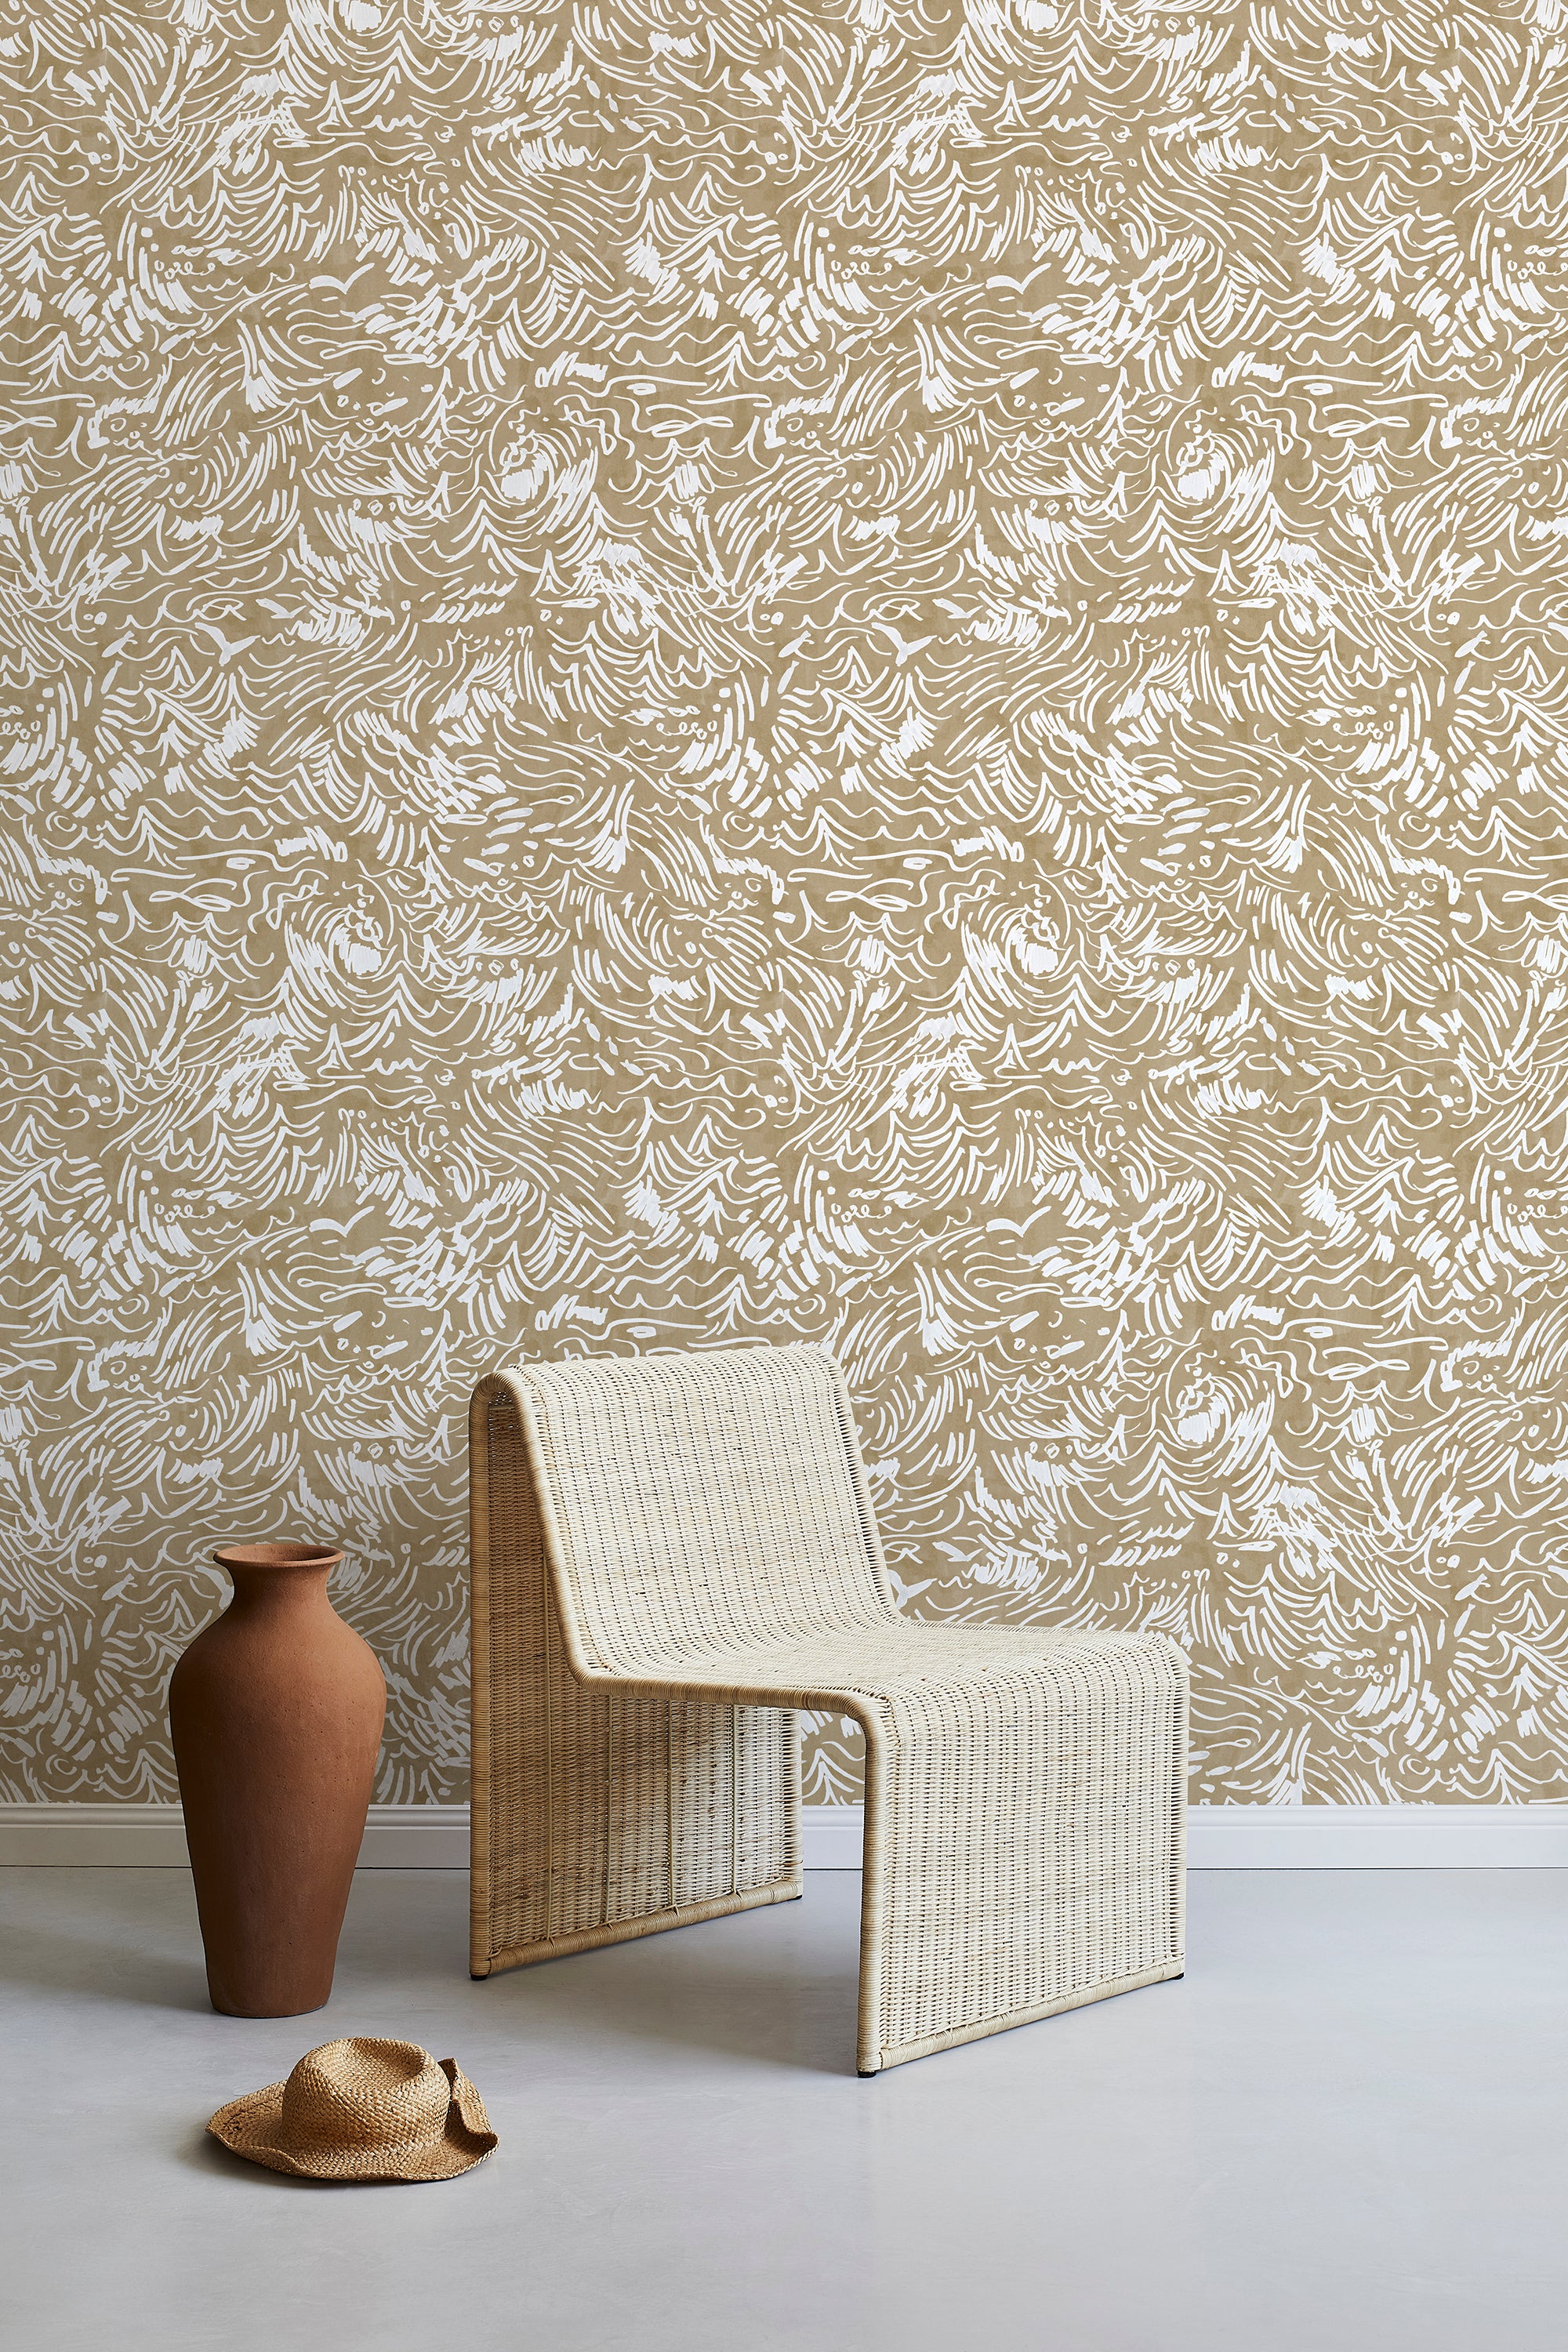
[1034, 1839]
[579, 1767]
[638, 1807]
[596, 1809]
[702, 1788]
[511, 1653]
[769, 1797]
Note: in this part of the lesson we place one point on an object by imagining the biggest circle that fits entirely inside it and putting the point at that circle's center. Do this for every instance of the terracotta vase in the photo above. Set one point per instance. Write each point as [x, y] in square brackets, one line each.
[276, 1711]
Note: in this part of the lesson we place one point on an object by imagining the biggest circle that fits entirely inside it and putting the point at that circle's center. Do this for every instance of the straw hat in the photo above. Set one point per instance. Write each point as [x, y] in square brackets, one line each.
[362, 2110]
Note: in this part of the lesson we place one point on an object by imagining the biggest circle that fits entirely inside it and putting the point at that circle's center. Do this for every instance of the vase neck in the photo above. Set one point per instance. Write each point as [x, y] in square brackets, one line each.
[259, 1589]
[273, 1576]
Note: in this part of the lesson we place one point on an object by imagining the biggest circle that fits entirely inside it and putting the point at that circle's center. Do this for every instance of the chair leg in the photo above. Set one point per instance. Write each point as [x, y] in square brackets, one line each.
[1024, 1845]
[597, 1814]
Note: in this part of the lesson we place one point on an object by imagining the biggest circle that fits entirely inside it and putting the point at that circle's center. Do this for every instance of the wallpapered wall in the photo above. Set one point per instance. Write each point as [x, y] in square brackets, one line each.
[875, 672]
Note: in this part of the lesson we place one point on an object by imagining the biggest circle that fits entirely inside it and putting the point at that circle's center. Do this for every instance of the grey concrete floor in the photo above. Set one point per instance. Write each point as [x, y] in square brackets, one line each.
[1347, 2126]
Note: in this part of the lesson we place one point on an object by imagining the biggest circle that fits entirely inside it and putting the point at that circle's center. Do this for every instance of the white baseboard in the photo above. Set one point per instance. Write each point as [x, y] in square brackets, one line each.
[1377, 1837]
[1308, 1837]
[832, 1836]
[396, 1837]
[1219, 1837]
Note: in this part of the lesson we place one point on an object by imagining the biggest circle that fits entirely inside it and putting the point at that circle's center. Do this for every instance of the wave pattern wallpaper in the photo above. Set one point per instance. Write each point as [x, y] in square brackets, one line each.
[892, 675]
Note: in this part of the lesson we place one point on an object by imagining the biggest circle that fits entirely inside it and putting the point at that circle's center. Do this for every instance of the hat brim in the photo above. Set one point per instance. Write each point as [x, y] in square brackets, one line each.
[249, 2128]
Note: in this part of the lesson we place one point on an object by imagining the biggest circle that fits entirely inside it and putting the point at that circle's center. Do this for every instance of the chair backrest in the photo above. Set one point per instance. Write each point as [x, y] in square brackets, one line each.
[701, 1503]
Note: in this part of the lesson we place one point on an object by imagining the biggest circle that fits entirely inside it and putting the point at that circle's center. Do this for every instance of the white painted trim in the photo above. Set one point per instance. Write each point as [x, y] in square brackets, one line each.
[1219, 1837]
[832, 1836]
[1377, 1837]
[396, 1837]
[1308, 1837]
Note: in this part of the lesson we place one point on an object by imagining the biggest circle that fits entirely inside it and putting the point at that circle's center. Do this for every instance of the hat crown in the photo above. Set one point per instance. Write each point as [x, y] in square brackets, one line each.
[365, 2093]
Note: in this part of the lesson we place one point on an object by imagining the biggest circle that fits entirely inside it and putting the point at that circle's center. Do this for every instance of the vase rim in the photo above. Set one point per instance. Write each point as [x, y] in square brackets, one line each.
[277, 1555]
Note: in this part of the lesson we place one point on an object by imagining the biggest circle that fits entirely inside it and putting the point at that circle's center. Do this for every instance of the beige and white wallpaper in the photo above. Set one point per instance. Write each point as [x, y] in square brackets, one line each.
[893, 673]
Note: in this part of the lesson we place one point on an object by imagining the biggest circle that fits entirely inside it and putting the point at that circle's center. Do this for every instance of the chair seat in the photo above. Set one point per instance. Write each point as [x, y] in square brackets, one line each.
[887, 1662]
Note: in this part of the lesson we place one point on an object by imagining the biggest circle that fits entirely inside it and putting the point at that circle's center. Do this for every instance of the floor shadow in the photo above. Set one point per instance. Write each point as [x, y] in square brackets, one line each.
[723, 1985]
[202, 2153]
[800, 2018]
[757, 1984]
[77, 1961]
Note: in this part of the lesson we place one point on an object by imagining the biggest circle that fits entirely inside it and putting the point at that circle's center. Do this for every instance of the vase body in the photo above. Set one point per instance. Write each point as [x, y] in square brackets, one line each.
[276, 1712]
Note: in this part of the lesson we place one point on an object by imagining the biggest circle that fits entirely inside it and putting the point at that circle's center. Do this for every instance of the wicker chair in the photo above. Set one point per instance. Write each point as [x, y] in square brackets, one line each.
[672, 1553]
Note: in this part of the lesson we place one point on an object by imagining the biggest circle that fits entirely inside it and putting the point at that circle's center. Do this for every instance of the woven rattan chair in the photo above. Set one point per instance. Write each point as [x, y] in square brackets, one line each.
[672, 1553]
